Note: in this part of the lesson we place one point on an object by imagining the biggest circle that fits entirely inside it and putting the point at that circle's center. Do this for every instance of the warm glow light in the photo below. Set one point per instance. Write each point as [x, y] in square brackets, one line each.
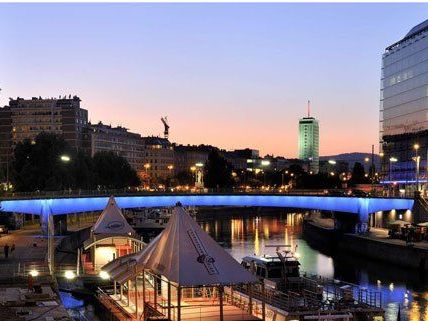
[366, 159]
[146, 165]
[416, 146]
[199, 165]
[393, 159]
[34, 273]
[332, 162]
[65, 158]
[170, 167]
[193, 168]
[104, 275]
[265, 162]
[69, 275]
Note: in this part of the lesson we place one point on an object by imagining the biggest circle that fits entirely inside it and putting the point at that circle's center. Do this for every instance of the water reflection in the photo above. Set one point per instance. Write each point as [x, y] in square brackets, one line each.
[242, 235]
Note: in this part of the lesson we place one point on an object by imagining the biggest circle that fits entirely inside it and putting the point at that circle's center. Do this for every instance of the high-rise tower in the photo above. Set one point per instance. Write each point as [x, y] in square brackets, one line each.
[309, 141]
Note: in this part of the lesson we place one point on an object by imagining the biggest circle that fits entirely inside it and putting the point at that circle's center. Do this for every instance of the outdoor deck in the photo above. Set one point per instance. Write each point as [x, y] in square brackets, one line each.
[206, 309]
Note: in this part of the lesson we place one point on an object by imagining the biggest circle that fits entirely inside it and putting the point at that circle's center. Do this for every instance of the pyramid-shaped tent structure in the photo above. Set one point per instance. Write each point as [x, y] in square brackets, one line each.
[112, 221]
[185, 255]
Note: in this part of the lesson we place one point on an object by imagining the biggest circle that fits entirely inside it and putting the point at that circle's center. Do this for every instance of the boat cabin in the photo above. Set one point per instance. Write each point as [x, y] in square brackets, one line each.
[272, 268]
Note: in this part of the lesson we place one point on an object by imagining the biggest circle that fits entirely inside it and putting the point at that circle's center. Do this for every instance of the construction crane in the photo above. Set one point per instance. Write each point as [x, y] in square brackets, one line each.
[166, 126]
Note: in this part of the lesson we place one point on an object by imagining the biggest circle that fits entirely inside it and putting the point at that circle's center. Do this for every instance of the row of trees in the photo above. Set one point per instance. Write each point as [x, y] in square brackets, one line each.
[48, 163]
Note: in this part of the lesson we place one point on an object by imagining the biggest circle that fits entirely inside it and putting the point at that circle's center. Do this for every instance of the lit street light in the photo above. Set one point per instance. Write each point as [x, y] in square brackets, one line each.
[417, 159]
[391, 160]
[65, 158]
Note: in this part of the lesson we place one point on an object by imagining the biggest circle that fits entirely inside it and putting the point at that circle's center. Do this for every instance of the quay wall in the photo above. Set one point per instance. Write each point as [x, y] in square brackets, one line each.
[397, 254]
[387, 251]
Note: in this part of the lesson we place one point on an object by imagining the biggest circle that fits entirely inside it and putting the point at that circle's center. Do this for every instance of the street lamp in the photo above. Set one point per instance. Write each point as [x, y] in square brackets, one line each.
[417, 160]
[391, 160]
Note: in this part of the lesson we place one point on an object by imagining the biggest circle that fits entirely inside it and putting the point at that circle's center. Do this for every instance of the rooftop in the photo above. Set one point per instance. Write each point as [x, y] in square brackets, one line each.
[422, 27]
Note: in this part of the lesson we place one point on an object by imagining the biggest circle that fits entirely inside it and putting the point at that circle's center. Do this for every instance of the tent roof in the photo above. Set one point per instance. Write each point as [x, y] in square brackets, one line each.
[112, 221]
[185, 255]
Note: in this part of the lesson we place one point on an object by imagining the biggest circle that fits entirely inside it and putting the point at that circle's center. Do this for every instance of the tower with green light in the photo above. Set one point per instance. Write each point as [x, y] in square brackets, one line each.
[309, 142]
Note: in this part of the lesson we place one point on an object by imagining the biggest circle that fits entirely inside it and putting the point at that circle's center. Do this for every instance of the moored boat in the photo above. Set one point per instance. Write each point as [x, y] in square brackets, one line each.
[290, 295]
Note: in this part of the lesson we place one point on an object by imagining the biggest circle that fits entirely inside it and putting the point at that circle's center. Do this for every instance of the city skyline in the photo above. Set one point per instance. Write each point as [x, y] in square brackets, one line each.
[145, 61]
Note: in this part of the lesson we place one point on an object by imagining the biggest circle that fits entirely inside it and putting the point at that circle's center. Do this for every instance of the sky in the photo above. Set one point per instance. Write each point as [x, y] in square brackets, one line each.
[231, 75]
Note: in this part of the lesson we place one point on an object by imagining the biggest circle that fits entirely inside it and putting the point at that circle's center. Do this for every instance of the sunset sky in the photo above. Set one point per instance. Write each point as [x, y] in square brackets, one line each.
[230, 75]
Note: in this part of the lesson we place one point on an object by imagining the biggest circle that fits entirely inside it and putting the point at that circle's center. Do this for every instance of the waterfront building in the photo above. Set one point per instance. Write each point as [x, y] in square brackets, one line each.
[403, 109]
[26, 118]
[158, 158]
[309, 142]
[120, 141]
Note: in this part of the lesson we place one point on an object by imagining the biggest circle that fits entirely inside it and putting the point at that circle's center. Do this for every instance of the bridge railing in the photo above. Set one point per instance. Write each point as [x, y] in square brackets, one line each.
[174, 191]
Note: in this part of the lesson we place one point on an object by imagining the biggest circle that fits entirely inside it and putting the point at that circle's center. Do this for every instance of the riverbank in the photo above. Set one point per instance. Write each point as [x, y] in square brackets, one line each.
[374, 245]
[17, 301]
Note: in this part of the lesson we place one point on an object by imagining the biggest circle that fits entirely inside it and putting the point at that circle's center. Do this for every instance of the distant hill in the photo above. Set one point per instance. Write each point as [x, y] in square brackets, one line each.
[352, 158]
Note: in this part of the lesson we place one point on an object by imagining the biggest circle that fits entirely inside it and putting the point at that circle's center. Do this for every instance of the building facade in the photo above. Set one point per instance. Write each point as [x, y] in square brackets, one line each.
[309, 142]
[26, 118]
[187, 156]
[404, 108]
[158, 158]
[119, 140]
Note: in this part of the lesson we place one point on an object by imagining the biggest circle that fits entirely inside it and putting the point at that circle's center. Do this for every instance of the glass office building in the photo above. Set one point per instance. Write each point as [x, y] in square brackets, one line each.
[309, 142]
[404, 108]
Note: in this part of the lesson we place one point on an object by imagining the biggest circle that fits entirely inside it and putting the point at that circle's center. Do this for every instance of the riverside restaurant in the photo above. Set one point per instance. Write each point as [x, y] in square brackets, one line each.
[110, 237]
[183, 274]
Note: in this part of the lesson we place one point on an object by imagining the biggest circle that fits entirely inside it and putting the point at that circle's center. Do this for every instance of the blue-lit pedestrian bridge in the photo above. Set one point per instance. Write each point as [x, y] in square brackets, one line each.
[361, 206]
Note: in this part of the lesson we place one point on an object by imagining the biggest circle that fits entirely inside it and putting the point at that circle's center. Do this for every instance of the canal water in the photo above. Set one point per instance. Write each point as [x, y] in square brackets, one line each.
[244, 234]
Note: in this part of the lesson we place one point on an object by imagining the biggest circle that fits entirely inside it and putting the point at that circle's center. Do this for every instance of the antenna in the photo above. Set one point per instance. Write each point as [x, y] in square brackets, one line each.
[309, 108]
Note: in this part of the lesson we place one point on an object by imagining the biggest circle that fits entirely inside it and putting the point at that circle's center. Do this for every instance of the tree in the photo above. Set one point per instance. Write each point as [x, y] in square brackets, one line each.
[37, 165]
[113, 171]
[358, 175]
[184, 178]
[83, 171]
[218, 172]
